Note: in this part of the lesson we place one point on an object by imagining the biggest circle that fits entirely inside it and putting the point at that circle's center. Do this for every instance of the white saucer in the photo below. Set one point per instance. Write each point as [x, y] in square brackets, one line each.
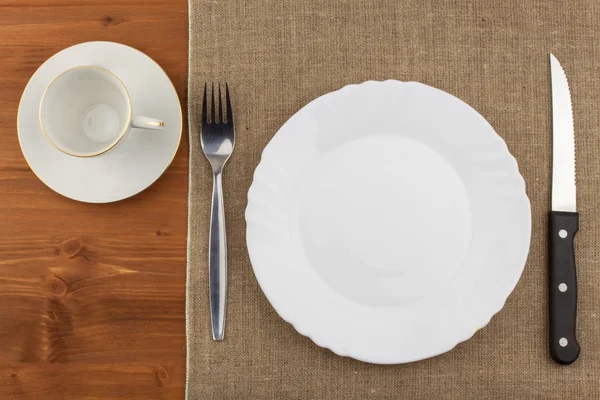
[387, 221]
[133, 165]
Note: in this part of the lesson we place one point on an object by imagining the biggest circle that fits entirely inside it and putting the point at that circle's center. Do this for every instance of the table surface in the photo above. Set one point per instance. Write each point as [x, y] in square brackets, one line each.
[92, 297]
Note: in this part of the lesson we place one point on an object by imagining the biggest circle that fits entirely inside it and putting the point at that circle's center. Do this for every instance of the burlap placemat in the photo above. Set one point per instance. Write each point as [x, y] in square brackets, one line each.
[279, 55]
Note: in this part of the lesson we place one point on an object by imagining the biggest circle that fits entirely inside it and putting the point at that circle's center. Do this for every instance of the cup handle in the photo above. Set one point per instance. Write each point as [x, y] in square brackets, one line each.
[147, 123]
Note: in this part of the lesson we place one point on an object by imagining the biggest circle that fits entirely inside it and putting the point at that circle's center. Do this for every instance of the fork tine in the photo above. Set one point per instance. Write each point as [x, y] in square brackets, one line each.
[220, 104]
[212, 107]
[204, 107]
[228, 102]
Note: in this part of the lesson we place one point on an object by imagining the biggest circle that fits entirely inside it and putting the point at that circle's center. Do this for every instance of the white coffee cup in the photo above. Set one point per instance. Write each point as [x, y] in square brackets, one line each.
[87, 110]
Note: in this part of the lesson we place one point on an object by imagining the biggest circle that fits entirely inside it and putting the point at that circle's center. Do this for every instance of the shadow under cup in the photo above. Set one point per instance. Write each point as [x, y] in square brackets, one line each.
[85, 111]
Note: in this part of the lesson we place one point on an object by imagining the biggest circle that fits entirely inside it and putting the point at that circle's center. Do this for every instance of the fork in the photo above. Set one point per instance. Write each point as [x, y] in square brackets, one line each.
[218, 140]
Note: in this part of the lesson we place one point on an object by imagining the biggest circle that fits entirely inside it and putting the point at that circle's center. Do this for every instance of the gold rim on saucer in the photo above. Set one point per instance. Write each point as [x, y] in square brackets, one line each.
[150, 59]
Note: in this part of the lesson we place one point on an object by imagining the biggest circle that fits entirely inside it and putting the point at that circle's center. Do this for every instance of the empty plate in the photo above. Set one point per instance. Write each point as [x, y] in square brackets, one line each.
[387, 221]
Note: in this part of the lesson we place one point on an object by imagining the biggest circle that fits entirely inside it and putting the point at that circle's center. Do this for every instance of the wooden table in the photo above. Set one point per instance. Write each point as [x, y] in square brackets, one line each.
[92, 297]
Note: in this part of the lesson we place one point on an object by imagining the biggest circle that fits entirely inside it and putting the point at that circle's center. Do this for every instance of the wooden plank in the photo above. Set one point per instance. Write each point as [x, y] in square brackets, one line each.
[92, 297]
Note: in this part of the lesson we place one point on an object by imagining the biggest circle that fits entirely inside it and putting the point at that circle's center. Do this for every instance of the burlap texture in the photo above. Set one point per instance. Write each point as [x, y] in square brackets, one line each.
[279, 55]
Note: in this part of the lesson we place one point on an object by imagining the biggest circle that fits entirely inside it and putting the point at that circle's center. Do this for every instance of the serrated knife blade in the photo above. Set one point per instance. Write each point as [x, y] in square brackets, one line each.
[563, 141]
[564, 223]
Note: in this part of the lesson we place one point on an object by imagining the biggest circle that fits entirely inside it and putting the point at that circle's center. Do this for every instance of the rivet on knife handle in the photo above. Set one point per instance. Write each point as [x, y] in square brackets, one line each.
[564, 348]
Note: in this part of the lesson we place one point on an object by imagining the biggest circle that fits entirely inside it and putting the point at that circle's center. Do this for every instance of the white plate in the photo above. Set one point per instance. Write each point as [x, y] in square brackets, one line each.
[387, 221]
[128, 168]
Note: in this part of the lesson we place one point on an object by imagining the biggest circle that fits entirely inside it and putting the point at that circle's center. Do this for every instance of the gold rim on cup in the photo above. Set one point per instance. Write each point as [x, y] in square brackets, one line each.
[129, 112]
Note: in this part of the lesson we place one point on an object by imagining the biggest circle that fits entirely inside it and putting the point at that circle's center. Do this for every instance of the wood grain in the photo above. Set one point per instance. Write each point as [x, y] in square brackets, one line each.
[92, 297]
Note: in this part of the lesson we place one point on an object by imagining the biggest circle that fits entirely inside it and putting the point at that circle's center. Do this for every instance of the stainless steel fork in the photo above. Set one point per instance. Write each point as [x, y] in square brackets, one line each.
[218, 139]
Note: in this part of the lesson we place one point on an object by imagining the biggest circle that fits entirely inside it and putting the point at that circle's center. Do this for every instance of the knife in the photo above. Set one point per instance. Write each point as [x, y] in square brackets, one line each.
[564, 223]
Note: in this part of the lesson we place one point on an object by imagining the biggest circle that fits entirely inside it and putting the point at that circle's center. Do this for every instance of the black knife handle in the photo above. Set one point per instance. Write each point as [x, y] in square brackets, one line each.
[563, 287]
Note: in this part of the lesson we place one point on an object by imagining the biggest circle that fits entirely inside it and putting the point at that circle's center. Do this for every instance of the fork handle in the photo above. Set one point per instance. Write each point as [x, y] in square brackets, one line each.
[217, 260]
